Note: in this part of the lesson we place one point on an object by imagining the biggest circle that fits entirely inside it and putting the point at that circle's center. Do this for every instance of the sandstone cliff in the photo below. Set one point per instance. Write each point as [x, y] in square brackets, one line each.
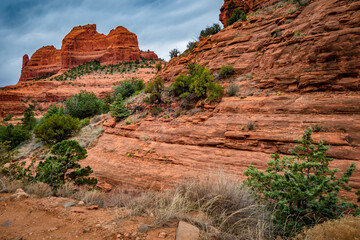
[84, 44]
[307, 74]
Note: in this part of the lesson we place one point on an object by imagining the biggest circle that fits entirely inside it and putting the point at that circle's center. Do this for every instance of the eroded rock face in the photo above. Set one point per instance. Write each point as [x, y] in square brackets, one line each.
[246, 5]
[84, 44]
[148, 55]
[315, 48]
[45, 61]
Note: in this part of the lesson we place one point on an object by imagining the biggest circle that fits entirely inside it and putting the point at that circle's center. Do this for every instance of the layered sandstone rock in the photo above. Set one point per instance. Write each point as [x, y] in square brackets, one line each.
[246, 5]
[286, 48]
[83, 44]
[45, 61]
[148, 55]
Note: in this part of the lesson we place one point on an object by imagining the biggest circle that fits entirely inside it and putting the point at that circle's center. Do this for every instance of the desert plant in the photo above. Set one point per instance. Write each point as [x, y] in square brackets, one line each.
[63, 166]
[226, 71]
[154, 89]
[208, 31]
[191, 45]
[54, 110]
[83, 105]
[28, 121]
[118, 109]
[302, 189]
[128, 88]
[232, 90]
[237, 15]
[14, 135]
[199, 82]
[158, 66]
[57, 128]
[174, 53]
[8, 117]
[346, 227]
[156, 110]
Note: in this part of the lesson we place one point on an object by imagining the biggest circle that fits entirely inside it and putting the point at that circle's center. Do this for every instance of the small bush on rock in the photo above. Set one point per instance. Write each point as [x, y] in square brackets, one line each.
[83, 105]
[127, 88]
[302, 189]
[155, 90]
[118, 109]
[199, 82]
[226, 71]
[236, 16]
[215, 28]
[57, 128]
[64, 167]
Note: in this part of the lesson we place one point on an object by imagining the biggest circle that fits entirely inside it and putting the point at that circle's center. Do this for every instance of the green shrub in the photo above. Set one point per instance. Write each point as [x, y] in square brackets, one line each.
[14, 135]
[191, 45]
[29, 121]
[64, 167]
[54, 110]
[215, 28]
[57, 128]
[127, 88]
[199, 82]
[156, 110]
[302, 189]
[83, 105]
[226, 71]
[8, 117]
[118, 109]
[236, 16]
[158, 66]
[84, 122]
[174, 53]
[154, 89]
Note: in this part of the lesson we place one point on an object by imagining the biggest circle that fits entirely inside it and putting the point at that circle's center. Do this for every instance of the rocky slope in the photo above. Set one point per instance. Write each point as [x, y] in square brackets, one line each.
[305, 75]
[84, 44]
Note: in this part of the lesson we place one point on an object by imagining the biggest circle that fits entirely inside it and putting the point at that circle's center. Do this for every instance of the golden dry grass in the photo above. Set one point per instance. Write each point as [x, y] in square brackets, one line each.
[346, 228]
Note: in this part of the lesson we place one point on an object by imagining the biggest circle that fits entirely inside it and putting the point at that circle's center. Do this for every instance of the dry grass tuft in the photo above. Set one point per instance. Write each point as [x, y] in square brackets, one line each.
[9, 186]
[67, 190]
[39, 189]
[216, 202]
[343, 228]
[93, 197]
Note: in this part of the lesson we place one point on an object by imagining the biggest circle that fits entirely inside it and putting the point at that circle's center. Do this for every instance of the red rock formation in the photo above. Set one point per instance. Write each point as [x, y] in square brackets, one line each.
[245, 5]
[83, 44]
[44, 61]
[148, 55]
[314, 48]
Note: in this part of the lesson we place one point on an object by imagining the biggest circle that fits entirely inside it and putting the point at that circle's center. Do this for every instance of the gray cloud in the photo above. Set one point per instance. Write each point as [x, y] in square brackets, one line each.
[161, 25]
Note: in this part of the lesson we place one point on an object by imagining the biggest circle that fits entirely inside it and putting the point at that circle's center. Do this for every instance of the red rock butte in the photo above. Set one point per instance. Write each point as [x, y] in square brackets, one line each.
[84, 44]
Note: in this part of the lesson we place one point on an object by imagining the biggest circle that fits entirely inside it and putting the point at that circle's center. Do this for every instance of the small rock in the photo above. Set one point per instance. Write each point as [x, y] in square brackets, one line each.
[19, 194]
[85, 230]
[162, 235]
[93, 207]
[69, 204]
[2, 199]
[52, 229]
[118, 236]
[143, 228]
[187, 231]
[81, 203]
[98, 225]
[104, 186]
[6, 224]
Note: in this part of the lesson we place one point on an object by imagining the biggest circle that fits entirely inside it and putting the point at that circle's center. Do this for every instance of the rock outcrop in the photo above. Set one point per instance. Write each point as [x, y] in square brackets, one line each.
[287, 48]
[306, 74]
[246, 5]
[84, 44]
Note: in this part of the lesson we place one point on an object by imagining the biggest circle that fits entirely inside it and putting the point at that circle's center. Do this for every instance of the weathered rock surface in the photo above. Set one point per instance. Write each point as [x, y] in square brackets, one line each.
[187, 231]
[315, 48]
[84, 44]
[246, 5]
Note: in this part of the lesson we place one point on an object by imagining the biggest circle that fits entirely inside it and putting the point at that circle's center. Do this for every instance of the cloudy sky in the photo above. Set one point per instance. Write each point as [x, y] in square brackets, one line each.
[161, 25]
